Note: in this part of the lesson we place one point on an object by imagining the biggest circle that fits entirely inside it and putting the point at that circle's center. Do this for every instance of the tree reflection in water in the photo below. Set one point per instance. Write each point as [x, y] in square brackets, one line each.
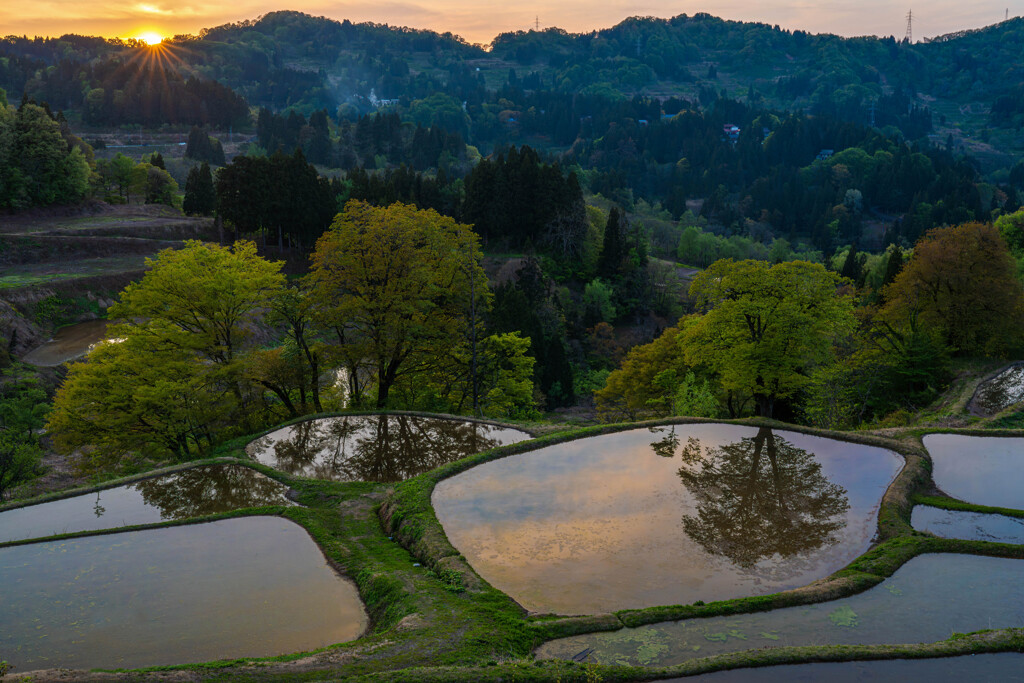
[383, 448]
[760, 498]
[210, 490]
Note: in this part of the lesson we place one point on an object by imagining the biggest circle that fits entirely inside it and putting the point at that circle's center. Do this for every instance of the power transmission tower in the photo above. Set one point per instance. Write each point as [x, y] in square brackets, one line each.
[536, 22]
[910, 22]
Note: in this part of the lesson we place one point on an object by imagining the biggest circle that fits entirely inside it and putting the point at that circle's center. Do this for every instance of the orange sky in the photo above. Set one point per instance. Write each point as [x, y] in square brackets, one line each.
[481, 20]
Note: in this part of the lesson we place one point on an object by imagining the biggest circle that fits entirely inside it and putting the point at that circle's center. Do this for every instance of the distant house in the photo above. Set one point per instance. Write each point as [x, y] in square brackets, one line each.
[732, 132]
[825, 154]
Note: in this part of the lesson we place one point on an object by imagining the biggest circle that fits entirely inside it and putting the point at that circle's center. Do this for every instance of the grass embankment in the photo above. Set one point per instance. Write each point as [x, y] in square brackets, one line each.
[434, 619]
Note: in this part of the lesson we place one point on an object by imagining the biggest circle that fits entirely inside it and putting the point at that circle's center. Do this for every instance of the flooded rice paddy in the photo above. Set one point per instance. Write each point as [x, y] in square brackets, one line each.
[926, 600]
[382, 448]
[68, 343]
[1006, 667]
[1000, 392]
[194, 492]
[984, 470]
[248, 587]
[970, 526]
[667, 515]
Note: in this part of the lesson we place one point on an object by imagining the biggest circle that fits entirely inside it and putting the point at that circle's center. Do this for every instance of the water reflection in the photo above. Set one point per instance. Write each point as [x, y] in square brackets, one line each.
[206, 490]
[382, 448]
[925, 601]
[210, 490]
[1000, 392]
[250, 587]
[68, 343]
[760, 497]
[594, 525]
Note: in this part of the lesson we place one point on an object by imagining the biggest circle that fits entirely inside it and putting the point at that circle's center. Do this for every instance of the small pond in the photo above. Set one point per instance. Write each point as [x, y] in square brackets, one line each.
[246, 587]
[984, 470]
[971, 526]
[68, 343]
[667, 515]
[205, 490]
[382, 448]
[1000, 392]
[926, 600]
[1005, 667]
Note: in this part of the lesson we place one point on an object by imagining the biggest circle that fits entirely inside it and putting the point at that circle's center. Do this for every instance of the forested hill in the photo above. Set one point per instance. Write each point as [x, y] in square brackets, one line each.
[288, 59]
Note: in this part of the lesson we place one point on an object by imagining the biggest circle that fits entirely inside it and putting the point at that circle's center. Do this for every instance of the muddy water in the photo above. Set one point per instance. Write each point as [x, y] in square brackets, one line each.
[985, 470]
[68, 343]
[1006, 667]
[1000, 392]
[926, 600]
[971, 526]
[194, 492]
[665, 516]
[255, 586]
[375, 447]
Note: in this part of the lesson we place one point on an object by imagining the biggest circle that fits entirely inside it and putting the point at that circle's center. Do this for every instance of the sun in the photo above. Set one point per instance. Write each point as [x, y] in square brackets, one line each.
[151, 38]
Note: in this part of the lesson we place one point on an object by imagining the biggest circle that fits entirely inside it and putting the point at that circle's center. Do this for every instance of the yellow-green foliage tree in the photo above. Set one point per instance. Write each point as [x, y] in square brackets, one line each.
[766, 326]
[134, 400]
[962, 281]
[507, 376]
[639, 386]
[176, 379]
[398, 286]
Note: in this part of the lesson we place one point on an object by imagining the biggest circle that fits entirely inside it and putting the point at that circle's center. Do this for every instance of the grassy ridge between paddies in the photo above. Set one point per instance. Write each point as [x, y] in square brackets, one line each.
[434, 619]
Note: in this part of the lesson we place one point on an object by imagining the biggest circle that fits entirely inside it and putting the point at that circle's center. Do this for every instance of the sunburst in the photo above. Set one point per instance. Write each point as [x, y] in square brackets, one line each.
[151, 38]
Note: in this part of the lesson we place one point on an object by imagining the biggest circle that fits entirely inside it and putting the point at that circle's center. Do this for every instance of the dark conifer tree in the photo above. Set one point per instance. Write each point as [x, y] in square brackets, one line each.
[614, 247]
[893, 265]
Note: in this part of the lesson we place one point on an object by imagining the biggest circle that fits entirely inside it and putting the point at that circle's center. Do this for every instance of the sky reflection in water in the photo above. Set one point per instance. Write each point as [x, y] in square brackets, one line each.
[255, 586]
[985, 470]
[665, 516]
[976, 593]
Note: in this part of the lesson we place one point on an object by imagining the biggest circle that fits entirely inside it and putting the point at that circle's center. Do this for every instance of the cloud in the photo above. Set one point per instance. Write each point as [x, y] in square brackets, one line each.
[481, 21]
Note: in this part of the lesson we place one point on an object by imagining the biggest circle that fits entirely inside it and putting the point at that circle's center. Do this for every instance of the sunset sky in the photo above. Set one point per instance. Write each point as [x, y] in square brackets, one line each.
[480, 21]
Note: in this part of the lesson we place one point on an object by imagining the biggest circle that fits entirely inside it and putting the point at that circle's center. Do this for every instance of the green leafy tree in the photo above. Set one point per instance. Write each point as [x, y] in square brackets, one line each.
[37, 166]
[694, 398]
[23, 409]
[598, 302]
[647, 379]
[507, 376]
[176, 381]
[393, 284]
[766, 326]
[134, 399]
